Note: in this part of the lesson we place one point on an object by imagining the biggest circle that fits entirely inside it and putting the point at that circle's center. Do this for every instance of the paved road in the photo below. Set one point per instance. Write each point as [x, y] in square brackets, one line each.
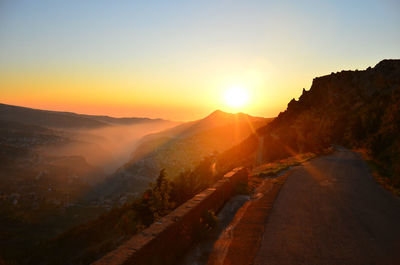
[331, 211]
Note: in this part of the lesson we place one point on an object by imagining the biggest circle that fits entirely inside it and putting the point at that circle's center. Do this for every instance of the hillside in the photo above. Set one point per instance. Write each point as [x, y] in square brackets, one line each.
[179, 149]
[48, 162]
[215, 133]
[350, 108]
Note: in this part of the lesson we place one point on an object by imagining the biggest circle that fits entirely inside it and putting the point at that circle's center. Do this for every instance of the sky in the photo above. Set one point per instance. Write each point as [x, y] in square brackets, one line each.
[177, 59]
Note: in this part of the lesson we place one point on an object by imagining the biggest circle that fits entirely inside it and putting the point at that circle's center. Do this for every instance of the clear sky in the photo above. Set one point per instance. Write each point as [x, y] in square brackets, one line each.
[176, 59]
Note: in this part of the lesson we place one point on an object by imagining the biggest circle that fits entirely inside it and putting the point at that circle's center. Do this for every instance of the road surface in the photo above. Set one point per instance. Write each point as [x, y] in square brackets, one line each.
[331, 211]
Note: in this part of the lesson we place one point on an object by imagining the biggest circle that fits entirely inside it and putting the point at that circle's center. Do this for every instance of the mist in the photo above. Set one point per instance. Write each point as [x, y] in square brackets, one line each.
[106, 148]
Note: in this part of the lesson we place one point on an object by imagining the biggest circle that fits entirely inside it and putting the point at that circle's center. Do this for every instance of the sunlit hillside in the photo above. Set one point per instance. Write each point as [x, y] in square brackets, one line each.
[177, 150]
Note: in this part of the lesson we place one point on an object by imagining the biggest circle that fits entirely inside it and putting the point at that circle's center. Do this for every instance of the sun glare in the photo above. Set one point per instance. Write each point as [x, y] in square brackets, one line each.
[236, 97]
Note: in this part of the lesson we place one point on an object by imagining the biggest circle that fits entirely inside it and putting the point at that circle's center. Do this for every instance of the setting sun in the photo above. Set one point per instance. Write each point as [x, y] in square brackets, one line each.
[236, 97]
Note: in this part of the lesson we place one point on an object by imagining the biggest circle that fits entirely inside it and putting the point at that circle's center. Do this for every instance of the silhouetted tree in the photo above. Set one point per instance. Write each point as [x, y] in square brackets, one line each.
[159, 201]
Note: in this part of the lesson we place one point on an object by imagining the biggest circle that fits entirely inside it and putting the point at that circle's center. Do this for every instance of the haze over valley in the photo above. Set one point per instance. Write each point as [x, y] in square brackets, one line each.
[61, 169]
[50, 160]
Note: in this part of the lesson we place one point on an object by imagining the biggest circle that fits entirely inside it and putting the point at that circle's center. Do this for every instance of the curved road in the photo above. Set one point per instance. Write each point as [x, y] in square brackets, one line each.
[331, 211]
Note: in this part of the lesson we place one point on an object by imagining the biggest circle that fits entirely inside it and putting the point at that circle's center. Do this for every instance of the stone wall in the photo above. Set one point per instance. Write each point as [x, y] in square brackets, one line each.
[166, 240]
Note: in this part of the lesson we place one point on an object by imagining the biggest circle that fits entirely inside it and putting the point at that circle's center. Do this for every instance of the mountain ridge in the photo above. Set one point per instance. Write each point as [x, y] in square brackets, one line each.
[62, 119]
[181, 148]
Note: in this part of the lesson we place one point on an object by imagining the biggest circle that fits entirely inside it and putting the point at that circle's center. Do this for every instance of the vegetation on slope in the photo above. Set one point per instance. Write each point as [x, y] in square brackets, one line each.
[178, 149]
[88, 242]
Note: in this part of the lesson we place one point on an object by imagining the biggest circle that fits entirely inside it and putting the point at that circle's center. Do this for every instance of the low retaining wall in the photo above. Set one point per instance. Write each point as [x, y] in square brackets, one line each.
[166, 240]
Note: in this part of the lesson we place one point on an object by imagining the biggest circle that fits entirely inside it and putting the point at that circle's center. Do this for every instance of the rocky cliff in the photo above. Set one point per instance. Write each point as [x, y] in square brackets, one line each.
[351, 108]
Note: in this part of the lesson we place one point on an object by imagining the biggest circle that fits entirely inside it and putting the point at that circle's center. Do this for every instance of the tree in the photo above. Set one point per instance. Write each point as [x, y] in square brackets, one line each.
[159, 200]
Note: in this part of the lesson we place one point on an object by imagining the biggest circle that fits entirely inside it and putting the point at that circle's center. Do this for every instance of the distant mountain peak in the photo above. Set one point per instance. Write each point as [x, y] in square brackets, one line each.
[218, 113]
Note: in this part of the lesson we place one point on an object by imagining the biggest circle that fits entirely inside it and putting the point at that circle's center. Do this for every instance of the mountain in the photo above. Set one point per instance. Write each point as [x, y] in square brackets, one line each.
[217, 118]
[180, 148]
[57, 119]
[190, 146]
[49, 161]
[350, 108]
[102, 140]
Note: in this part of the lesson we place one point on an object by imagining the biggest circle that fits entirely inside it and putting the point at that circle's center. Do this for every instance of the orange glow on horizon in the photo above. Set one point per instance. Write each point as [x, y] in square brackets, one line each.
[123, 95]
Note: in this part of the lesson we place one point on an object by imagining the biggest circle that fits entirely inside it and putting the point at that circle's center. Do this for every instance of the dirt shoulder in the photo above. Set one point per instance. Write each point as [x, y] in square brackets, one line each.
[239, 242]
